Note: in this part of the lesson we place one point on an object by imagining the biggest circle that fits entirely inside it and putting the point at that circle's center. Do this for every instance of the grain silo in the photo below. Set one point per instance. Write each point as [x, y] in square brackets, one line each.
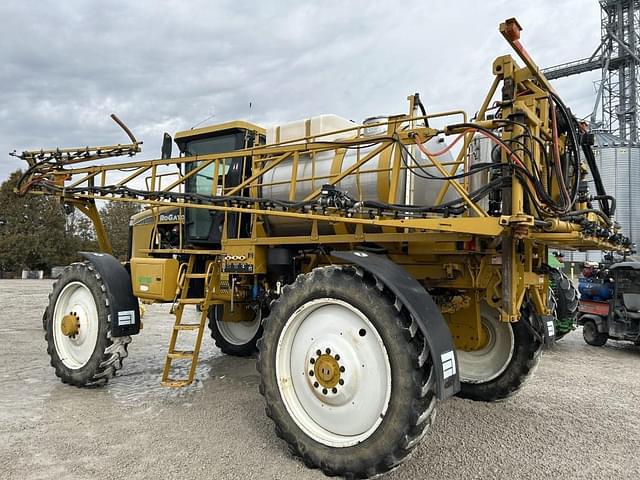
[619, 165]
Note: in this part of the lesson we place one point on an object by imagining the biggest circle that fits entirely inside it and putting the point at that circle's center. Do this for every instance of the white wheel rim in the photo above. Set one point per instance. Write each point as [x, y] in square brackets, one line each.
[350, 414]
[481, 366]
[239, 333]
[74, 352]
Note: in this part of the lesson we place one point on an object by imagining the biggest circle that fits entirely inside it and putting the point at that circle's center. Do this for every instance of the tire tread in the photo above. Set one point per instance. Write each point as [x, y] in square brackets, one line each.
[423, 404]
[113, 353]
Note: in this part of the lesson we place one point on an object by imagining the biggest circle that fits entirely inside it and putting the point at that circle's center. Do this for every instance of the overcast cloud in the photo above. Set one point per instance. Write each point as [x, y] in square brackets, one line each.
[167, 65]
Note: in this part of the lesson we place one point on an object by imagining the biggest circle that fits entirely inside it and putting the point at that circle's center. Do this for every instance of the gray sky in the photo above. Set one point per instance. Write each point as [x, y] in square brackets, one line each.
[167, 65]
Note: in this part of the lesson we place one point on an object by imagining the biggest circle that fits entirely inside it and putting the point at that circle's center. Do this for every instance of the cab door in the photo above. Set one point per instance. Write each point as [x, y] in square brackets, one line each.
[204, 227]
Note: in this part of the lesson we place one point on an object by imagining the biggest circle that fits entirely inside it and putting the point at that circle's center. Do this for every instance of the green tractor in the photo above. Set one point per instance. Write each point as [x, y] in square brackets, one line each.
[563, 297]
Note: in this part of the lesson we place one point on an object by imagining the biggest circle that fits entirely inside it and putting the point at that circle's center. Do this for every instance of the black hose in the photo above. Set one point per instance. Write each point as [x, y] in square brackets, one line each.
[612, 202]
[577, 213]
[597, 179]
[522, 173]
[571, 127]
[475, 196]
[418, 102]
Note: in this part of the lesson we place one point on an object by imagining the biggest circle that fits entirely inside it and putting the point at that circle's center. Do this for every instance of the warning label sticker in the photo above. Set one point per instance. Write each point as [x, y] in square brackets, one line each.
[551, 329]
[448, 360]
[126, 317]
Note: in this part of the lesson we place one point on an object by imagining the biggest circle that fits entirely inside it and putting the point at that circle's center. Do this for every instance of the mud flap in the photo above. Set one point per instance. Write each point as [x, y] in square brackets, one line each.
[548, 329]
[542, 327]
[423, 309]
[601, 322]
[123, 305]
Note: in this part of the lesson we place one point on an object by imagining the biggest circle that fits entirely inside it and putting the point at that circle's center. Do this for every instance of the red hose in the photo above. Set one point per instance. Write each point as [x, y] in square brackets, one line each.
[503, 145]
[495, 140]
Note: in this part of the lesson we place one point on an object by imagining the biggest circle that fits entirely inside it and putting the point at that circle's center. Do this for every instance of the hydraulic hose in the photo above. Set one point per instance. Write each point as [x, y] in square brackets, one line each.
[597, 180]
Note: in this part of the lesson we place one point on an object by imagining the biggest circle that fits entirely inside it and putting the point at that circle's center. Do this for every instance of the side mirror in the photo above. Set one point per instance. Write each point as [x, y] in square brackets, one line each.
[166, 147]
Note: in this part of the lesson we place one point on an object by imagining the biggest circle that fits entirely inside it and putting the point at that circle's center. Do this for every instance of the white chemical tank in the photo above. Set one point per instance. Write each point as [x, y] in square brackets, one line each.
[294, 132]
[316, 169]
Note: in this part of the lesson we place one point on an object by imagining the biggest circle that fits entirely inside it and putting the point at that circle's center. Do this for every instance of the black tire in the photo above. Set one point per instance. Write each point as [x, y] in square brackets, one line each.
[592, 336]
[566, 297]
[412, 402]
[527, 349]
[226, 345]
[108, 352]
[552, 303]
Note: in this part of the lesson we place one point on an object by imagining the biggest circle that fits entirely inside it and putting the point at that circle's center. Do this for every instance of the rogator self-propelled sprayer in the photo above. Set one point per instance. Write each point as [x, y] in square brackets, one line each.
[375, 272]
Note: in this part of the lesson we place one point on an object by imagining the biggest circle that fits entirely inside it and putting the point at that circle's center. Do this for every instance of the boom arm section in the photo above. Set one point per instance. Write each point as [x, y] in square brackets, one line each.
[67, 156]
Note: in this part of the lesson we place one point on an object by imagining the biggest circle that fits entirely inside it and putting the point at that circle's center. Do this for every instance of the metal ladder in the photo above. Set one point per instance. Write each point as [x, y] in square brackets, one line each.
[185, 275]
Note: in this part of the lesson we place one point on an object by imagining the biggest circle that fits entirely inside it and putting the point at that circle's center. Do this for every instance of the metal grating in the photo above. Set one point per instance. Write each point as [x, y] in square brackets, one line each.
[618, 56]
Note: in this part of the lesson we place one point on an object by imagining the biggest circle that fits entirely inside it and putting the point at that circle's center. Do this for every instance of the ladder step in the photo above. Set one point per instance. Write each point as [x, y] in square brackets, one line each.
[175, 383]
[186, 273]
[187, 326]
[180, 354]
[196, 275]
[191, 301]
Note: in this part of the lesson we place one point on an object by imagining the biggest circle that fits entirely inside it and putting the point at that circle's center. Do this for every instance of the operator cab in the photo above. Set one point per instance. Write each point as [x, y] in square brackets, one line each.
[624, 317]
[205, 227]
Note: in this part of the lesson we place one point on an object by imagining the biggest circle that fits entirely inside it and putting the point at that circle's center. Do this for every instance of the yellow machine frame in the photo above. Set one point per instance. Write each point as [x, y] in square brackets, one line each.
[496, 259]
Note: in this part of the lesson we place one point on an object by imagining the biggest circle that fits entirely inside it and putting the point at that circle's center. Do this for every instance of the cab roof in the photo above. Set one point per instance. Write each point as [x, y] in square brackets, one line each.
[221, 127]
[631, 265]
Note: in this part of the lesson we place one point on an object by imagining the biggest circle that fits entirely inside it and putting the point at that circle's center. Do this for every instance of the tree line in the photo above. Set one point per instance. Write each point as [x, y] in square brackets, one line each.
[38, 233]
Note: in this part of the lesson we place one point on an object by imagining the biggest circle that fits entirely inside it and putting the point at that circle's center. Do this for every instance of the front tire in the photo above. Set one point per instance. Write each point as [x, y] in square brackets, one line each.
[77, 329]
[501, 368]
[346, 378]
[234, 338]
[592, 336]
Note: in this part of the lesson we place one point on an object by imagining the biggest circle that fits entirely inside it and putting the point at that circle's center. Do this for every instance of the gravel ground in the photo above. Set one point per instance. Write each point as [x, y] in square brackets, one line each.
[578, 418]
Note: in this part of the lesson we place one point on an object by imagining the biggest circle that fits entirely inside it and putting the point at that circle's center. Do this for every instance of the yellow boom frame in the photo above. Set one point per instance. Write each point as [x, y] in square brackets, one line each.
[496, 259]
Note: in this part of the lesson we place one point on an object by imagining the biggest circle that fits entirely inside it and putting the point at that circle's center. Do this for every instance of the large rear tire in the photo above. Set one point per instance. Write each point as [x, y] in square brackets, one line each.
[234, 338]
[77, 329]
[501, 368]
[347, 379]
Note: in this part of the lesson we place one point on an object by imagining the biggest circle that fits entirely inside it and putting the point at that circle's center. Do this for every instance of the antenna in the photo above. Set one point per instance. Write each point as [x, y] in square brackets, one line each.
[202, 121]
